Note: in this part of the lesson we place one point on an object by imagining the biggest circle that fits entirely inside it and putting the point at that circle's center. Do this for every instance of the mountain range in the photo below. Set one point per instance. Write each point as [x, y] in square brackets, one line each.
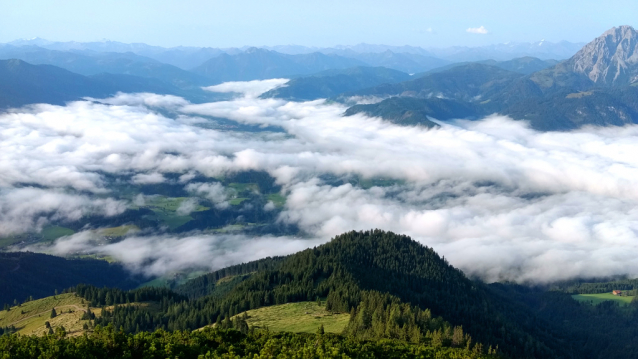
[592, 87]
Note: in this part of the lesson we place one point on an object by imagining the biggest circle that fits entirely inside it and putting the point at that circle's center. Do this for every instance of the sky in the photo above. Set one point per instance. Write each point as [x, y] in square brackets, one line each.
[312, 23]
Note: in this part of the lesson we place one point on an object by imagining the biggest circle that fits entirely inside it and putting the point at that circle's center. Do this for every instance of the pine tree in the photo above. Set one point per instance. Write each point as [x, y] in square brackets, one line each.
[320, 331]
[53, 313]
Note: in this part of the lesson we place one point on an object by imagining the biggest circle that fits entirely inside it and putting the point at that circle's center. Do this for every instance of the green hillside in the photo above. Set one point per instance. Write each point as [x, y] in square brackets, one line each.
[30, 318]
[301, 317]
[603, 297]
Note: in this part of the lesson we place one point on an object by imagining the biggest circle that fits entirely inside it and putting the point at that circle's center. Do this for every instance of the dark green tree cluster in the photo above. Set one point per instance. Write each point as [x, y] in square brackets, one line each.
[26, 276]
[605, 330]
[630, 286]
[109, 296]
[208, 284]
[217, 343]
[384, 316]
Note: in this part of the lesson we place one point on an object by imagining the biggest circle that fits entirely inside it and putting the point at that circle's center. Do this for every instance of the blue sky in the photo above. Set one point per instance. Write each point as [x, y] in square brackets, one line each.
[312, 23]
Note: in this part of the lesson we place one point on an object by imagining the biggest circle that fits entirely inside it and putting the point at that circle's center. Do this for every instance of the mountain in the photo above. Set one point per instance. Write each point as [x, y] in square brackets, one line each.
[109, 62]
[522, 65]
[566, 110]
[406, 62]
[24, 274]
[381, 279]
[330, 83]
[593, 87]
[609, 60]
[410, 111]
[184, 57]
[471, 82]
[257, 64]
[22, 83]
[526, 65]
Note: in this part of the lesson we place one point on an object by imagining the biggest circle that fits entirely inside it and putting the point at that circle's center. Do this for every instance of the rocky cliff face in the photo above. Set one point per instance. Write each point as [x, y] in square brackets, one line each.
[611, 59]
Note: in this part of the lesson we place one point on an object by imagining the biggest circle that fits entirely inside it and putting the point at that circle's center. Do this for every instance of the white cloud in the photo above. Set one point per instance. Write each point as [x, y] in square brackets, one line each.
[499, 200]
[159, 255]
[248, 88]
[477, 30]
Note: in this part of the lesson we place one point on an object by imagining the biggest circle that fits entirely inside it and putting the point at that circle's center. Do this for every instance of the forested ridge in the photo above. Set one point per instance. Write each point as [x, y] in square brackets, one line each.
[393, 288]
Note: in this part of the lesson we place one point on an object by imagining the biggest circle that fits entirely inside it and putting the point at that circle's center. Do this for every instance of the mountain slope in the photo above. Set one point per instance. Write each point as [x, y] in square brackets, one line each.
[471, 82]
[258, 64]
[333, 82]
[410, 111]
[22, 83]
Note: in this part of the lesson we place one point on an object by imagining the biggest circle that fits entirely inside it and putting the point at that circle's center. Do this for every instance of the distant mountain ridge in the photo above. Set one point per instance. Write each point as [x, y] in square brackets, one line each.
[258, 64]
[22, 83]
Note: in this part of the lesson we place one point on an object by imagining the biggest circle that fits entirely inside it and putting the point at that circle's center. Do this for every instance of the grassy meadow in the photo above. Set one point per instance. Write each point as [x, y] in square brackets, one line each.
[299, 317]
[602, 297]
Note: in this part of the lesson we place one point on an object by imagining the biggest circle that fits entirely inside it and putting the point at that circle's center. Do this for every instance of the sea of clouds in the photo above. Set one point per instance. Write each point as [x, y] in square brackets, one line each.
[496, 198]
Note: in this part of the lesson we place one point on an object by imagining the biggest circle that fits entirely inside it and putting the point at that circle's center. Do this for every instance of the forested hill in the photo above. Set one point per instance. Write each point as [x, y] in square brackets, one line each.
[354, 266]
[393, 287]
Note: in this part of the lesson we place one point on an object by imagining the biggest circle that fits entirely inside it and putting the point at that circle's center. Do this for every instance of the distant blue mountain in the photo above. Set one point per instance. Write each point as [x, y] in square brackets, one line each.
[22, 83]
[257, 64]
[92, 63]
[333, 82]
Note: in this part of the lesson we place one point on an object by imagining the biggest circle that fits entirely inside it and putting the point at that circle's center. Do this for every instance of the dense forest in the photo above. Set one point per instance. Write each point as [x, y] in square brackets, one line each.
[218, 343]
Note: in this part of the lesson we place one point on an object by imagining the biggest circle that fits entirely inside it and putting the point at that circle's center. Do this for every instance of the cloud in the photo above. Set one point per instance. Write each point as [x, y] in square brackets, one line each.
[159, 255]
[148, 178]
[214, 192]
[477, 30]
[34, 208]
[248, 88]
[498, 199]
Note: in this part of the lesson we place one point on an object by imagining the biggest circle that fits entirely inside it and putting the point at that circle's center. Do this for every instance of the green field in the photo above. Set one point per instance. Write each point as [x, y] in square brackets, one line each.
[297, 317]
[277, 199]
[244, 187]
[237, 201]
[602, 297]
[52, 233]
[118, 231]
[165, 209]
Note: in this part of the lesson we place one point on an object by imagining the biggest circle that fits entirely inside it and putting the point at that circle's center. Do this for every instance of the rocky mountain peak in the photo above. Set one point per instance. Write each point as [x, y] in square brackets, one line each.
[611, 59]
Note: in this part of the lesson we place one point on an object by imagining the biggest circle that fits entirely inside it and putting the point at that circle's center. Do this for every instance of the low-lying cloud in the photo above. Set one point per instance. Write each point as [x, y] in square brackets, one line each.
[496, 198]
